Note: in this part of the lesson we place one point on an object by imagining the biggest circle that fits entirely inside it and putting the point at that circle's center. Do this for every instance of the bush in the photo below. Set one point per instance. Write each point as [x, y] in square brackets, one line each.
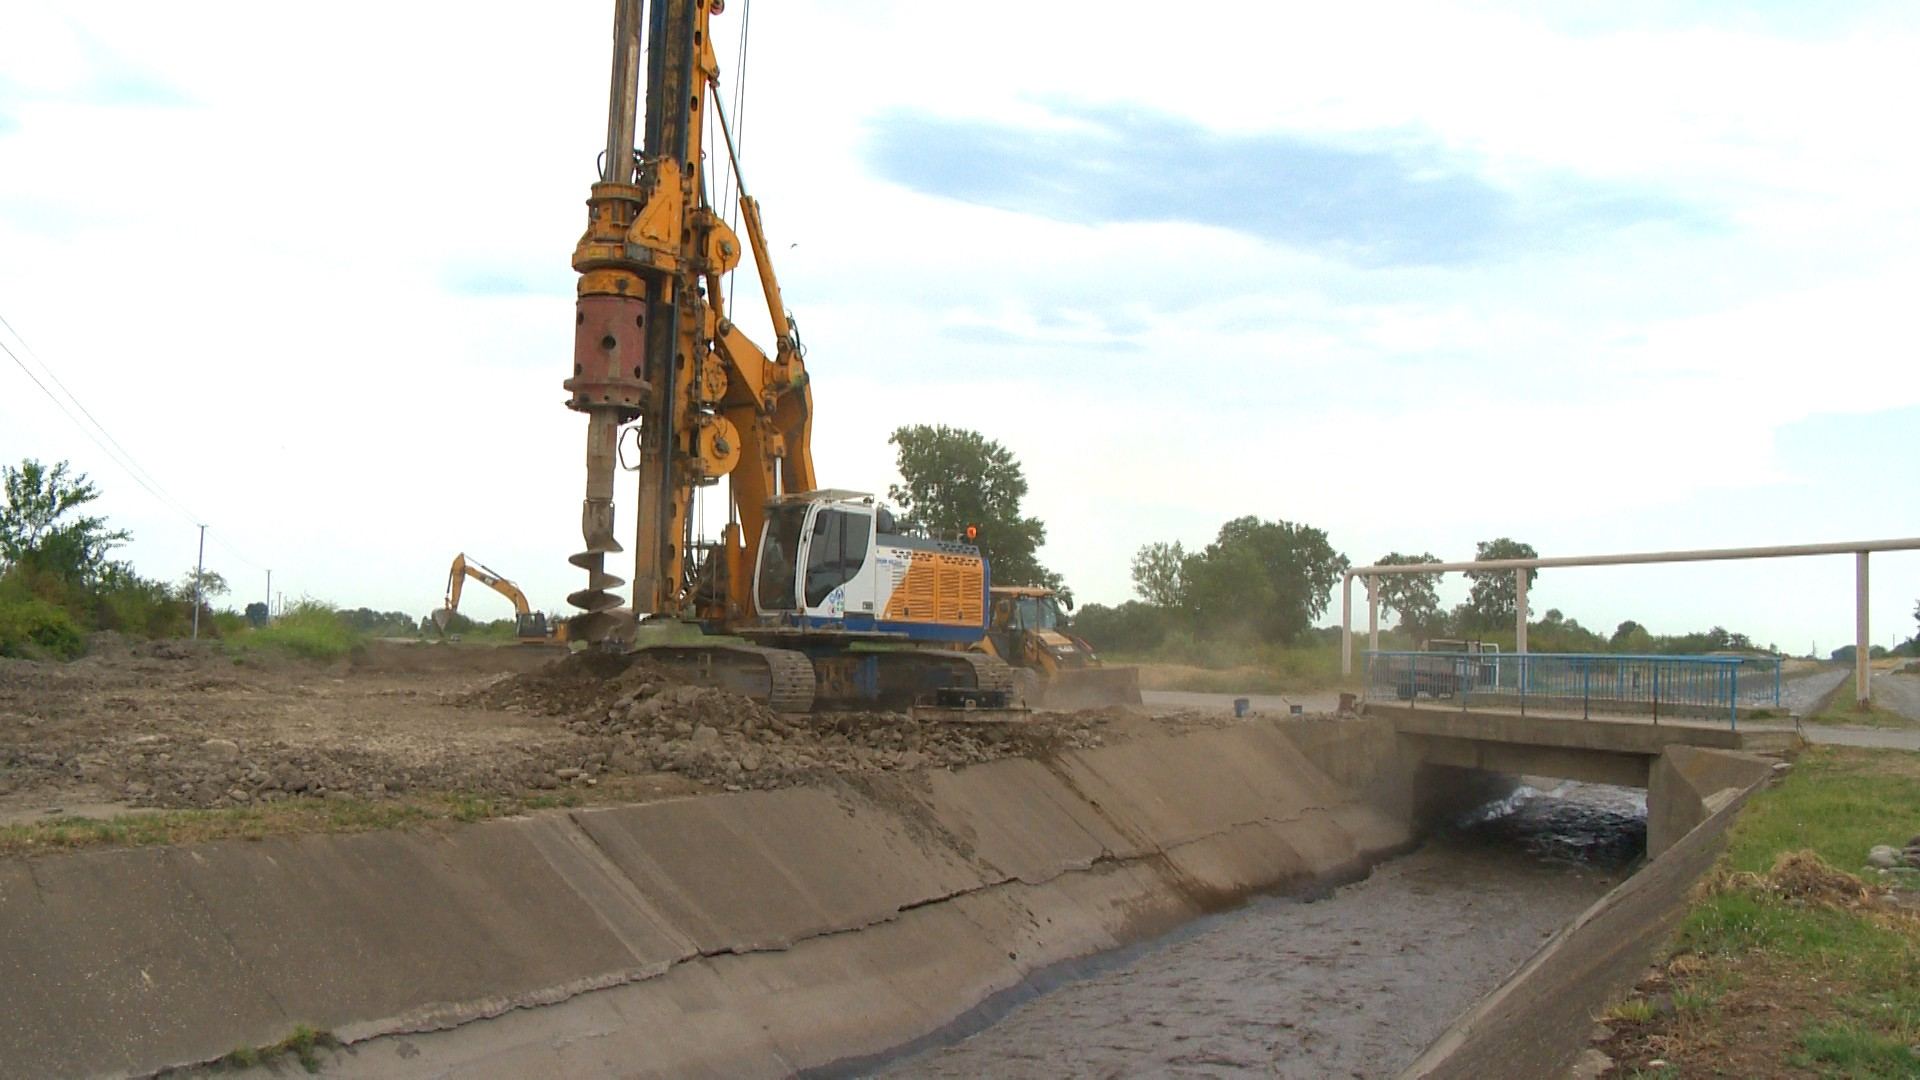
[35, 628]
[309, 628]
[126, 602]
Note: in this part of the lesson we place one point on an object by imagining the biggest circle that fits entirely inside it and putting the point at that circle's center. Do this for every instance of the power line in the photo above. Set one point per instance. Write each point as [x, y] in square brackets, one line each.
[118, 453]
[191, 519]
[127, 460]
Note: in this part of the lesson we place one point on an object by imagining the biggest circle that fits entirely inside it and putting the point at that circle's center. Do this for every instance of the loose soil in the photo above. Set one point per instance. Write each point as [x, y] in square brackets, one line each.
[177, 725]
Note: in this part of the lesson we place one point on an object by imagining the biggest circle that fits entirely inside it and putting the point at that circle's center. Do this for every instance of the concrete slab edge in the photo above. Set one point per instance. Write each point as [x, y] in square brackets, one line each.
[1504, 1025]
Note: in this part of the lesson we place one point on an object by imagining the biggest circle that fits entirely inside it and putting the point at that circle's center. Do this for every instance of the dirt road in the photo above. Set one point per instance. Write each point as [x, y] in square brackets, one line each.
[1900, 693]
[1175, 701]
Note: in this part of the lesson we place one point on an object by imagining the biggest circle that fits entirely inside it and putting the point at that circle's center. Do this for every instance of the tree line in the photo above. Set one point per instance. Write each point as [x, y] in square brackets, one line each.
[1260, 580]
[59, 579]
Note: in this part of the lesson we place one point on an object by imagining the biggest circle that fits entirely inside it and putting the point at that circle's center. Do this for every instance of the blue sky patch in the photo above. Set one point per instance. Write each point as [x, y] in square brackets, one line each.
[1389, 204]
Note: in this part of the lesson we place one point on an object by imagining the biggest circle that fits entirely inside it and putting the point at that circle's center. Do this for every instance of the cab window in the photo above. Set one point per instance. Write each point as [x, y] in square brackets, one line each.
[835, 553]
[778, 558]
[1036, 613]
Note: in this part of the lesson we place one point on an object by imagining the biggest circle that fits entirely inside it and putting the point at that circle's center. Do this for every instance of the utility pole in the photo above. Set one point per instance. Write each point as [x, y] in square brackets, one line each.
[199, 571]
[269, 594]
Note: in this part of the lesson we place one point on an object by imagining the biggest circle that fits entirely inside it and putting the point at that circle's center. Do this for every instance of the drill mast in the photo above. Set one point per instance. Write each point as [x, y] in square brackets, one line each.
[653, 343]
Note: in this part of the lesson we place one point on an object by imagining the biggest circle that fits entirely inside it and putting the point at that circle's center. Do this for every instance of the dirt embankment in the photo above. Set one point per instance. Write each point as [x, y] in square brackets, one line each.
[175, 725]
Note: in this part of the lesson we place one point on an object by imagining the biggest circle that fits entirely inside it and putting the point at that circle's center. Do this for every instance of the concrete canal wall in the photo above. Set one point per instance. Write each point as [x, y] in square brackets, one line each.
[754, 934]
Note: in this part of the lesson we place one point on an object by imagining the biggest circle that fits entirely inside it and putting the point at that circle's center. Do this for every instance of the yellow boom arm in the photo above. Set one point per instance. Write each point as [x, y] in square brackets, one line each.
[462, 570]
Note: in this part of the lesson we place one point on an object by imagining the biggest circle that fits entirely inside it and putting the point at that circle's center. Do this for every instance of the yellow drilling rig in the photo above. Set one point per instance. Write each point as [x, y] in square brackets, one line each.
[807, 598]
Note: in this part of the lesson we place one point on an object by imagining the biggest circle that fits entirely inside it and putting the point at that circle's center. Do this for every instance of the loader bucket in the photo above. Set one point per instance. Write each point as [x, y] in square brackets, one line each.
[1092, 688]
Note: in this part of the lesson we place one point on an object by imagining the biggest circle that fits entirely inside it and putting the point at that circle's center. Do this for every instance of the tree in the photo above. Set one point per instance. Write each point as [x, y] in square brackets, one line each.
[1631, 637]
[953, 478]
[257, 615]
[1271, 577]
[42, 530]
[1130, 627]
[1415, 596]
[212, 584]
[1157, 574]
[1492, 600]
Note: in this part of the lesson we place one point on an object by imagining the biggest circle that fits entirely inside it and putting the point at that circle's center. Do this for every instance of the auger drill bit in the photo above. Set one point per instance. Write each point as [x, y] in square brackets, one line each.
[596, 527]
[609, 343]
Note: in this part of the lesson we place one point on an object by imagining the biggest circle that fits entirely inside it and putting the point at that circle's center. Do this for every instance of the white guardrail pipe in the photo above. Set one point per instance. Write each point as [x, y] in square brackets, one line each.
[1860, 549]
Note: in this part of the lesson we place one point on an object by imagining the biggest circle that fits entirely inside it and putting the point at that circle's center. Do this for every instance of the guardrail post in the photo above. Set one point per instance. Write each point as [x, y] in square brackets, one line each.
[1733, 696]
[1586, 689]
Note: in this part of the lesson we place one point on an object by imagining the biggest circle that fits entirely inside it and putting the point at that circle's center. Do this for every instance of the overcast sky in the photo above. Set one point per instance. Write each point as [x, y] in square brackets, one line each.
[1629, 276]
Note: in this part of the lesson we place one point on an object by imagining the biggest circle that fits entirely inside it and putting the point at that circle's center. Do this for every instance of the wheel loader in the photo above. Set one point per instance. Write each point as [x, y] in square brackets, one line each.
[1053, 668]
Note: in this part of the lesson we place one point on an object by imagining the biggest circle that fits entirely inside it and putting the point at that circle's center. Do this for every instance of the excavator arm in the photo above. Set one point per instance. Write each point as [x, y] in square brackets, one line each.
[653, 343]
[462, 570]
[529, 625]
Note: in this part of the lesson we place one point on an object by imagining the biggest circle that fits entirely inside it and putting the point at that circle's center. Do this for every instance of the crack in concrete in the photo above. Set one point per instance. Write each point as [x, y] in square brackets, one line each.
[449, 1017]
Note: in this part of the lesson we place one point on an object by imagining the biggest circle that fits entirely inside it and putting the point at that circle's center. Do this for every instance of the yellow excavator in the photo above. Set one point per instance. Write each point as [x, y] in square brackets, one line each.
[530, 626]
[807, 598]
[1054, 668]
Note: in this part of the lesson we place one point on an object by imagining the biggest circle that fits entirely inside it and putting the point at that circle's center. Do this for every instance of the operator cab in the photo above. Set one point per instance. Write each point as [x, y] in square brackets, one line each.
[1032, 613]
[836, 560]
[815, 552]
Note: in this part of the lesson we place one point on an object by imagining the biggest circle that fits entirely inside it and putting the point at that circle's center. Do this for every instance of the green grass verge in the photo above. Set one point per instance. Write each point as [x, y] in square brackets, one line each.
[1837, 803]
[285, 818]
[1839, 708]
[1793, 961]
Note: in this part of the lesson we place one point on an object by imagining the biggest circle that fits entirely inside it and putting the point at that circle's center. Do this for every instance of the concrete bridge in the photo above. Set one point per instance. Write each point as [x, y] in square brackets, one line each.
[1682, 766]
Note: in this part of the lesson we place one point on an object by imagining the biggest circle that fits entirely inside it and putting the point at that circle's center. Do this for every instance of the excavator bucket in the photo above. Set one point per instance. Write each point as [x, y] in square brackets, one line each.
[441, 617]
[1091, 688]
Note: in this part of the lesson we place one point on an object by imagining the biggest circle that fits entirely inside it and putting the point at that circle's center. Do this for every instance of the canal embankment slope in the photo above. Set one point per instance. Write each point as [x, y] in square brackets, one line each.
[748, 934]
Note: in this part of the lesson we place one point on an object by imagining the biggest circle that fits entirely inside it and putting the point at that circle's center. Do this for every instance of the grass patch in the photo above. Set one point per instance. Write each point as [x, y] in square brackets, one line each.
[290, 817]
[1632, 1011]
[1794, 952]
[308, 629]
[1855, 1052]
[1837, 802]
[1839, 708]
[304, 1046]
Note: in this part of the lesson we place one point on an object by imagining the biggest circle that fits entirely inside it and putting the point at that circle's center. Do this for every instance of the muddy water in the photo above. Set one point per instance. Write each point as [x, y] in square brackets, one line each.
[1355, 984]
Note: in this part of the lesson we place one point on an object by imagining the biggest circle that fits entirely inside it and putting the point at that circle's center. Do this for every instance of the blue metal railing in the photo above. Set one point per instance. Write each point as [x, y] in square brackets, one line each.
[1708, 686]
